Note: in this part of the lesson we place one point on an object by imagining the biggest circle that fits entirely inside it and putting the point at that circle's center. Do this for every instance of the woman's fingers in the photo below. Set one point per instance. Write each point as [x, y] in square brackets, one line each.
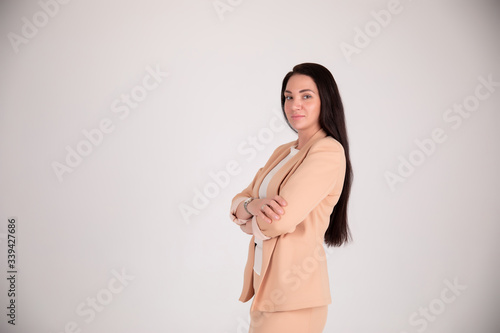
[276, 207]
[271, 212]
[268, 214]
[282, 202]
[263, 215]
[268, 209]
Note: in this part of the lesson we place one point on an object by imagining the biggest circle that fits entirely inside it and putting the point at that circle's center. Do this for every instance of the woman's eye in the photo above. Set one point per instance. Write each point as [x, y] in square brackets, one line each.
[307, 96]
[288, 98]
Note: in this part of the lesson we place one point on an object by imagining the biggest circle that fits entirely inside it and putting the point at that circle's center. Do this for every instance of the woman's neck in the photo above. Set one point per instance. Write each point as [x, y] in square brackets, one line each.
[305, 135]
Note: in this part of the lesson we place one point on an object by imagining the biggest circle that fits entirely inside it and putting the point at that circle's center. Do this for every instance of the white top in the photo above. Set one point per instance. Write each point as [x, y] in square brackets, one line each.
[257, 263]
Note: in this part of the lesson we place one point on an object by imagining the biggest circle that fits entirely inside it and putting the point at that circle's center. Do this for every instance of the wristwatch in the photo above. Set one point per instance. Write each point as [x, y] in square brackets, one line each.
[245, 204]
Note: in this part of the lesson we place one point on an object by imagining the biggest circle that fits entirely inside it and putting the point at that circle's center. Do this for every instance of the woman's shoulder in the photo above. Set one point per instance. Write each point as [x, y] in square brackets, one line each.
[329, 143]
[325, 143]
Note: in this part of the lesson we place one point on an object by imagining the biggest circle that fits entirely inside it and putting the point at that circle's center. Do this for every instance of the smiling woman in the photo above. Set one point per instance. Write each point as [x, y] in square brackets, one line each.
[297, 201]
[302, 106]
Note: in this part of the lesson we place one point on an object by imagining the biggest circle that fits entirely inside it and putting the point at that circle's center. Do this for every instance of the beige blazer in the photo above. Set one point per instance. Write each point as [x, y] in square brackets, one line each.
[294, 273]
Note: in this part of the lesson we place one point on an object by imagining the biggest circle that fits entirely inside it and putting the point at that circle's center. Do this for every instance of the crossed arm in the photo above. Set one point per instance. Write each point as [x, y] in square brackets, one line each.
[266, 209]
[310, 183]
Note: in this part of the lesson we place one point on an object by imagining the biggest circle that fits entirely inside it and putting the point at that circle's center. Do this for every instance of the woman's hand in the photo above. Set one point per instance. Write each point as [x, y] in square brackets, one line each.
[267, 209]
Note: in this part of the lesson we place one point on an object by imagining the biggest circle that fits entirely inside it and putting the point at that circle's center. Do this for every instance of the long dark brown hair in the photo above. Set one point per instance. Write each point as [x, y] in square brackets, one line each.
[332, 121]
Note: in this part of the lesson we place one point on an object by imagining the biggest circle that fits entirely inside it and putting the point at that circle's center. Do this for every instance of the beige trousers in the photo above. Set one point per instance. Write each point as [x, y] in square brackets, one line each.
[308, 320]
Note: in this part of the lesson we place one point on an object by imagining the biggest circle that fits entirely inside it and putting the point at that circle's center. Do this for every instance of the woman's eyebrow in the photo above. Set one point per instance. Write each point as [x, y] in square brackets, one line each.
[301, 91]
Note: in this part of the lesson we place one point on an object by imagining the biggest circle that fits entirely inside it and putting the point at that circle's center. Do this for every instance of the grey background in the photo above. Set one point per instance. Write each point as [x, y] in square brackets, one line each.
[120, 209]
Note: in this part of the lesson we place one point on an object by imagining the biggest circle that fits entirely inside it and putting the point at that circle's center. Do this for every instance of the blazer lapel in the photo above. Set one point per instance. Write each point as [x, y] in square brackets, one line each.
[272, 189]
[292, 164]
[273, 161]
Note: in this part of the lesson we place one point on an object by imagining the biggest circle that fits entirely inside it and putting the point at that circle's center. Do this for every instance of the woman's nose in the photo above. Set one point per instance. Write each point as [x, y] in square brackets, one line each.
[297, 104]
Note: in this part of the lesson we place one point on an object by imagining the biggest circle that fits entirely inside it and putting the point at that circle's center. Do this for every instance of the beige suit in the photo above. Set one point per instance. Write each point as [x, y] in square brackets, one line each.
[294, 273]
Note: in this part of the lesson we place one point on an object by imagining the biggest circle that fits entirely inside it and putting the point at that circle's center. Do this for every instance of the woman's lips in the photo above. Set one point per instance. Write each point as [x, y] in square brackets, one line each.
[298, 116]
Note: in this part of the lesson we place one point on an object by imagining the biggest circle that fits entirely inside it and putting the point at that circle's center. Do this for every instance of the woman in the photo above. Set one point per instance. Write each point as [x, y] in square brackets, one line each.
[289, 209]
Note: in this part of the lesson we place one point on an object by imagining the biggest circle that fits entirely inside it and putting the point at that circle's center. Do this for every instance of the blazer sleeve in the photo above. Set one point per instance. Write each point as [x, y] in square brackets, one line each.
[311, 182]
[240, 197]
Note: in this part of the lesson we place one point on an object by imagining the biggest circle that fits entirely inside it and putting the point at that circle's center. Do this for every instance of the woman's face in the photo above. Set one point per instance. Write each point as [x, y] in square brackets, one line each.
[302, 103]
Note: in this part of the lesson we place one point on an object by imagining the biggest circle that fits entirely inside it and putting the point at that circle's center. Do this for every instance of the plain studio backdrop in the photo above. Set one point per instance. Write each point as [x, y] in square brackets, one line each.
[126, 127]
